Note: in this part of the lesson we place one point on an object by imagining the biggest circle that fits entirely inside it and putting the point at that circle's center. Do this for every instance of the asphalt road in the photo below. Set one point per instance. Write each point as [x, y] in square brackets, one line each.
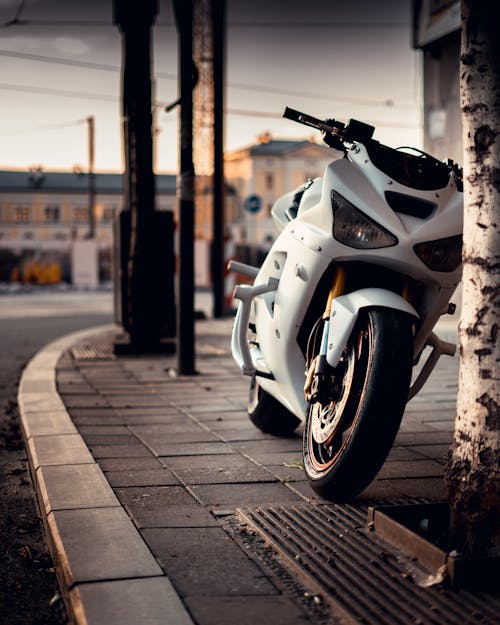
[28, 321]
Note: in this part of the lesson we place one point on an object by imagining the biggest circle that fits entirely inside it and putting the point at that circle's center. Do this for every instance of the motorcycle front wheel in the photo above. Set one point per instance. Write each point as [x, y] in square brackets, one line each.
[267, 413]
[355, 413]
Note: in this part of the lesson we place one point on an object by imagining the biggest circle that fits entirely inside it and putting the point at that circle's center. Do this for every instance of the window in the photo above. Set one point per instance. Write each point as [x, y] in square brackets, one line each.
[108, 213]
[52, 214]
[269, 181]
[29, 235]
[80, 214]
[22, 214]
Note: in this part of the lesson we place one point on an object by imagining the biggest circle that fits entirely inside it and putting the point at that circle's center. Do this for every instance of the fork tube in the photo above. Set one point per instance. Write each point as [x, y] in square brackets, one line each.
[337, 288]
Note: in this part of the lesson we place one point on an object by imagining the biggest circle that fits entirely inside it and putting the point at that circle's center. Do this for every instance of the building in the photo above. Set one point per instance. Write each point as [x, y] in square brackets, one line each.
[436, 29]
[42, 212]
[261, 173]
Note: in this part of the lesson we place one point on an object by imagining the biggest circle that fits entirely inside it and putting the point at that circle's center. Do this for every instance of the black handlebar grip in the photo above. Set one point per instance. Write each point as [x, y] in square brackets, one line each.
[292, 114]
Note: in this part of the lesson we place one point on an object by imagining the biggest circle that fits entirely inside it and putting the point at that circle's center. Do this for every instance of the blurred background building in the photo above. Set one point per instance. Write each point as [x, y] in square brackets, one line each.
[43, 212]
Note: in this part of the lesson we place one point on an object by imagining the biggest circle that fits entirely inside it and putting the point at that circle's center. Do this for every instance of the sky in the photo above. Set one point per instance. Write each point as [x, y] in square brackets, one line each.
[60, 63]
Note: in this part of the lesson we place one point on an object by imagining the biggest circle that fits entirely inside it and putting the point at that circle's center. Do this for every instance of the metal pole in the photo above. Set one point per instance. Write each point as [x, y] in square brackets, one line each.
[185, 353]
[91, 155]
[218, 260]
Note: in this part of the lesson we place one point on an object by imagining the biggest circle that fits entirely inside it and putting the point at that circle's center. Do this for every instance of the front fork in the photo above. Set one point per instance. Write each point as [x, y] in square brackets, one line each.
[317, 368]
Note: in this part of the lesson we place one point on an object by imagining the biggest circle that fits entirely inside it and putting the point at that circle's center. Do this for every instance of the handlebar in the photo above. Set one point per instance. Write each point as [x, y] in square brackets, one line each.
[329, 126]
[340, 136]
[335, 133]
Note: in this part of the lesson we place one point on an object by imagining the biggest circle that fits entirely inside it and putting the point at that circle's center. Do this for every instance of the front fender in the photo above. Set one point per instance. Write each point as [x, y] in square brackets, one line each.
[345, 310]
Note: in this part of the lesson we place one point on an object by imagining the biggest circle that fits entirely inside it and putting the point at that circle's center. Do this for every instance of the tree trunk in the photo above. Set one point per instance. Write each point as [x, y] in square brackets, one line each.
[473, 471]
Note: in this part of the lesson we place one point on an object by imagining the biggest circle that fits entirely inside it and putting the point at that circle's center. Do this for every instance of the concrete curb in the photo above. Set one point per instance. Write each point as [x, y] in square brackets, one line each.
[106, 572]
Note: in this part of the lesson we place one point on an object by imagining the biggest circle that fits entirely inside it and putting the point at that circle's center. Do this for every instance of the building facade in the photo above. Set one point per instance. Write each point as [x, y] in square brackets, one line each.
[437, 34]
[42, 213]
[263, 172]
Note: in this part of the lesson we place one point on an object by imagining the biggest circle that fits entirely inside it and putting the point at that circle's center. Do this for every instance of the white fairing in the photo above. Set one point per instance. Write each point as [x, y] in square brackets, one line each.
[305, 249]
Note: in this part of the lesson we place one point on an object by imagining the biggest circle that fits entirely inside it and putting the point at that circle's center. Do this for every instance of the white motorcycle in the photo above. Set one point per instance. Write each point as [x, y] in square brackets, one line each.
[346, 300]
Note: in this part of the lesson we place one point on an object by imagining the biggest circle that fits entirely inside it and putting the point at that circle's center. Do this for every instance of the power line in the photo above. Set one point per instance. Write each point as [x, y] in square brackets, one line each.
[43, 127]
[231, 24]
[232, 85]
[58, 92]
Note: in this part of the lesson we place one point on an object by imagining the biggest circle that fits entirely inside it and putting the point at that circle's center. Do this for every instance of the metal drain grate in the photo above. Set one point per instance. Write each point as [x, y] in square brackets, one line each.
[91, 352]
[360, 575]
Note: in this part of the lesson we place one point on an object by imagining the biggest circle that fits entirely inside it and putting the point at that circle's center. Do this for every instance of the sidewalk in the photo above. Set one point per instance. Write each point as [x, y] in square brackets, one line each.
[163, 504]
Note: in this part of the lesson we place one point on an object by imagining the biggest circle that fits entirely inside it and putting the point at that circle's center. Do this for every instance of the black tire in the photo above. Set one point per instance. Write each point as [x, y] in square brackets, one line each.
[268, 414]
[348, 435]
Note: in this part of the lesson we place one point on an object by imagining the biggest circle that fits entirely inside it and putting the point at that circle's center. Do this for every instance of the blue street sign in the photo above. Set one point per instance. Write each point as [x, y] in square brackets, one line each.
[252, 204]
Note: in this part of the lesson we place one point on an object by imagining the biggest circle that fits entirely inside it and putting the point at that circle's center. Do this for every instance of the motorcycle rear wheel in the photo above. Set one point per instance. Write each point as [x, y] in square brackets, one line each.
[349, 431]
[267, 414]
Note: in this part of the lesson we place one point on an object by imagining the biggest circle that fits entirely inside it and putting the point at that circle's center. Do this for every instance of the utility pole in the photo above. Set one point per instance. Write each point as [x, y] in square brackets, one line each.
[183, 10]
[218, 260]
[91, 195]
[209, 35]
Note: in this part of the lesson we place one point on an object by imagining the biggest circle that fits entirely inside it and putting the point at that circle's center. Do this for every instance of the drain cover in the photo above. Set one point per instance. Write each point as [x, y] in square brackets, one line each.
[91, 352]
[362, 576]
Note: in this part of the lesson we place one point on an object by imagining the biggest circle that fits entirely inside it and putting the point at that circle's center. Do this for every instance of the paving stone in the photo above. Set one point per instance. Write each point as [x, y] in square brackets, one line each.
[221, 416]
[109, 439]
[193, 449]
[136, 401]
[99, 411]
[270, 443]
[276, 610]
[149, 495]
[428, 487]
[414, 468]
[150, 601]
[243, 494]
[186, 463]
[287, 473]
[204, 406]
[241, 434]
[279, 458]
[380, 490]
[108, 418]
[438, 453]
[72, 388]
[85, 430]
[167, 515]
[77, 486]
[206, 561]
[131, 420]
[159, 442]
[130, 464]
[428, 437]
[99, 544]
[85, 401]
[58, 450]
[178, 424]
[119, 451]
[399, 452]
[157, 411]
[145, 477]
[225, 475]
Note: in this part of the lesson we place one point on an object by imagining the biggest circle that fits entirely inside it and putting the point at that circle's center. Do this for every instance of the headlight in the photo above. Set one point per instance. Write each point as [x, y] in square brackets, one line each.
[441, 254]
[355, 229]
